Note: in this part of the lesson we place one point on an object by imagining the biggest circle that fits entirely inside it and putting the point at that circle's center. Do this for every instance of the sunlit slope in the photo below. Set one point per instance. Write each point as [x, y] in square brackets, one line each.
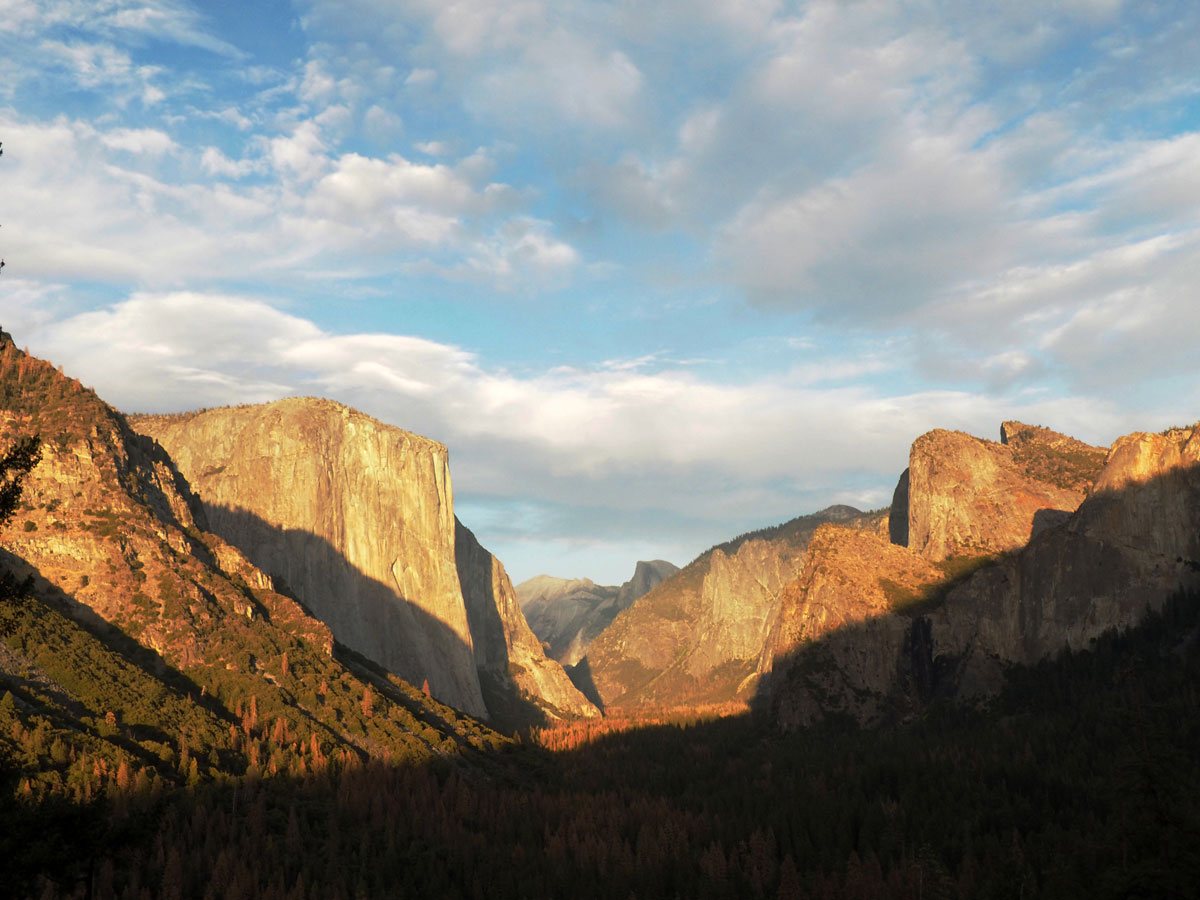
[697, 637]
[148, 634]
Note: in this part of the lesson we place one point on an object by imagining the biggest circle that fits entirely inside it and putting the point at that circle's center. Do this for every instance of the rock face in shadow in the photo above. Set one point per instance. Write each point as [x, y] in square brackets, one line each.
[356, 518]
[512, 667]
[567, 614]
[913, 631]
[697, 637]
[969, 496]
[1133, 542]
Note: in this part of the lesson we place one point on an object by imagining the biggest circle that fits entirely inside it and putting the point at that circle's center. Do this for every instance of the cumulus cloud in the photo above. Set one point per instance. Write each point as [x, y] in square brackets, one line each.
[117, 218]
[149, 141]
[214, 162]
[521, 254]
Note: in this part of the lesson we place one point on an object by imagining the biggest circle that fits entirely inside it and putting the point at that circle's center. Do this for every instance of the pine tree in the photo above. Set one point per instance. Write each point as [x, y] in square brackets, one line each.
[17, 462]
[368, 702]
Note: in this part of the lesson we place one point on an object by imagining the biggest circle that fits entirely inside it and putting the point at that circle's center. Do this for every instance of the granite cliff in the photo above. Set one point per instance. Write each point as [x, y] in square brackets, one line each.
[698, 636]
[355, 519]
[567, 614]
[919, 624]
[513, 668]
[964, 495]
[145, 629]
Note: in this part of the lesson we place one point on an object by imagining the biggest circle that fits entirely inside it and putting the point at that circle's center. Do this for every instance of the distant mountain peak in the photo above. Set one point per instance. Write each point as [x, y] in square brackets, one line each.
[568, 613]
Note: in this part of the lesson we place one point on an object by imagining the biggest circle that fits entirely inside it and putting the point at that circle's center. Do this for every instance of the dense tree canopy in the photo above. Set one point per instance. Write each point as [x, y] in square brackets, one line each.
[1080, 780]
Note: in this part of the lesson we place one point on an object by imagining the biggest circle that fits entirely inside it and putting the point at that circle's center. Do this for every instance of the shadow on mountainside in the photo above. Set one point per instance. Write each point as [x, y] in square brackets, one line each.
[55, 602]
[581, 676]
[1120, 556]
[1079, 784]
[370, 617]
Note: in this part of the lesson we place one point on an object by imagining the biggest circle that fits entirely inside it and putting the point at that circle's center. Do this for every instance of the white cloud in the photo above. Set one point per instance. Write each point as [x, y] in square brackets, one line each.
[382, 125]
[218, 164]
[433, 148]
[317, 86]
[599, 427]
[116, 218]
[359, 186]
[421, 77]
[92, 65]
[521, 254]
[302, 154]
[148, 141]
[166, 20]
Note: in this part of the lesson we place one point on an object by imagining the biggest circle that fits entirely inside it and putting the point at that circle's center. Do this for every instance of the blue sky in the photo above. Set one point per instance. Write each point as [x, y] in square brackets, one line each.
[657, 274]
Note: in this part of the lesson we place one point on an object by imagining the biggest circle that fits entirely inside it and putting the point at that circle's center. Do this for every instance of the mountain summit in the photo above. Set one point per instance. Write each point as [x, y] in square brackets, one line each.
[567, 614]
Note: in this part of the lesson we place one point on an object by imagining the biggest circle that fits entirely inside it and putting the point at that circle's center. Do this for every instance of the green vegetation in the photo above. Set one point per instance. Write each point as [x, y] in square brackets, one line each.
[46, 402]
[916, 601]
[1056, 459]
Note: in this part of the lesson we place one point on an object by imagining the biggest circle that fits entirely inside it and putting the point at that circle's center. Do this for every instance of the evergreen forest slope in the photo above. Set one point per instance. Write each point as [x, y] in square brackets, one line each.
[141, 653]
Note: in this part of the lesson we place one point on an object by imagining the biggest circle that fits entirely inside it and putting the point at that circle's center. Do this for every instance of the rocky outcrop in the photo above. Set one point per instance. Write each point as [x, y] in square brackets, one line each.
[1129, 546]
[968, 496]
[833, 648]
[355, 518]
[849, 576]
[698, 636]
[568, 614]
[950, 633]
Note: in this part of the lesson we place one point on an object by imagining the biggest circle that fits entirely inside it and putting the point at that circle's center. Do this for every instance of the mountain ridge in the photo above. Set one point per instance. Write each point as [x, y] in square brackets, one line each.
[697, 636]
[1132, 542]
[568, 613]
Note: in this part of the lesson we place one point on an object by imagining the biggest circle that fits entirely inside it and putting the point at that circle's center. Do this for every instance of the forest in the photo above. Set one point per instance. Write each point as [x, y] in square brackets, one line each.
[1079, 780]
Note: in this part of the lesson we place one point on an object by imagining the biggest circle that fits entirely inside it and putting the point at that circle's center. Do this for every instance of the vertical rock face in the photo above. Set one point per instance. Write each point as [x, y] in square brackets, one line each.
[898, 514]
[568, 614]
[1133, 542]
[355, 518]
[513, 669]
[968, 496]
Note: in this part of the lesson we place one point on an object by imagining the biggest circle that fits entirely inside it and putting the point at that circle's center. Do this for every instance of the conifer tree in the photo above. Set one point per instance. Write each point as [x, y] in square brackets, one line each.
[16, 463]
[368, 702]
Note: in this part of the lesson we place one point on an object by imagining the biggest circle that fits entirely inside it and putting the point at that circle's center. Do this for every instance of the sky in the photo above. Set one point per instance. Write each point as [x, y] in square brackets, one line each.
[657, 274]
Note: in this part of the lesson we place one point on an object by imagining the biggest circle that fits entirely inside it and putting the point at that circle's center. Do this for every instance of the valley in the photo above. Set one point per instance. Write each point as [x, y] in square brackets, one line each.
[253, 652]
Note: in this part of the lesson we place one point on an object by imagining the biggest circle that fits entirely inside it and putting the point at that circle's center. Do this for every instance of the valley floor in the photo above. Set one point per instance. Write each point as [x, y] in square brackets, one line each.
[1081, 780]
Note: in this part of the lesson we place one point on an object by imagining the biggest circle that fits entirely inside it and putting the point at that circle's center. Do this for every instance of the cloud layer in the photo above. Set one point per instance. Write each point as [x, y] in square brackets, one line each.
[654, 273]
[640, 452]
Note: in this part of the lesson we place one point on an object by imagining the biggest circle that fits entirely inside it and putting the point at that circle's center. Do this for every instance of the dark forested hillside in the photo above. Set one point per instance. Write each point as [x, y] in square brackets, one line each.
[1080, 780]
